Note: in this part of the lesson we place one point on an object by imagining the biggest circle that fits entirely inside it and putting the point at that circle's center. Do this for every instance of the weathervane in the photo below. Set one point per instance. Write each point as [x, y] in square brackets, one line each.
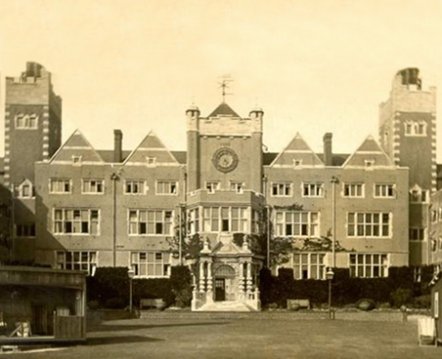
[224, 84]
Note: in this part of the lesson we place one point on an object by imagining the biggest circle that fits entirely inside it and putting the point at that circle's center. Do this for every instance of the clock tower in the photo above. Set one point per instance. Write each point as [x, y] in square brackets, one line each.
[224, 150]
[224, 199]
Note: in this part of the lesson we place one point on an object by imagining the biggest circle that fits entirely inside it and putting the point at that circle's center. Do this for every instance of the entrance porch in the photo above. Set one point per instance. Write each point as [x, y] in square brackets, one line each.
[227, 277]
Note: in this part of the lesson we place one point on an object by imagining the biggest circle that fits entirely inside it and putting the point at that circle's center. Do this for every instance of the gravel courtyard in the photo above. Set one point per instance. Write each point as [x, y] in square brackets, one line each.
[261, 335]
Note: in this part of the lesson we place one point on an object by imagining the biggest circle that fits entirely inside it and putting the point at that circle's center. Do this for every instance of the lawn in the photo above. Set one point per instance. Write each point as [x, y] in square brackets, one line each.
[253, 336]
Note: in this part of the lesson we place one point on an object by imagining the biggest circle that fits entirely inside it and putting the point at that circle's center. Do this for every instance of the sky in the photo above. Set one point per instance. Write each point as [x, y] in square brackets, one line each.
[313, 66]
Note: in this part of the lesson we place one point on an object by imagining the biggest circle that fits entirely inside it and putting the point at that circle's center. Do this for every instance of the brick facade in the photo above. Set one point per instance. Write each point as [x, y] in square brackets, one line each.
[113, 208]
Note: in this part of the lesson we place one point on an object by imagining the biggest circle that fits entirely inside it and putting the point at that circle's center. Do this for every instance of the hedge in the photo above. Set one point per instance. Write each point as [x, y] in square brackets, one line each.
[398, 289]
[109, 287]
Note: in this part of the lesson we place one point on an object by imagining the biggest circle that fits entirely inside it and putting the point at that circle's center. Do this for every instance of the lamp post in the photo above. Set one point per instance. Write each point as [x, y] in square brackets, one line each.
[131, 274]
[329, 275]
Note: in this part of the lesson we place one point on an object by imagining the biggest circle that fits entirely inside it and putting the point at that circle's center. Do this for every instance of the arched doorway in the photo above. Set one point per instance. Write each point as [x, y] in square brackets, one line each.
[224, 283]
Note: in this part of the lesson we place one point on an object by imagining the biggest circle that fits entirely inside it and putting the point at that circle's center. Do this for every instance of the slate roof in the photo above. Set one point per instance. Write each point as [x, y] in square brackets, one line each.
[108, 155]
[223, 110]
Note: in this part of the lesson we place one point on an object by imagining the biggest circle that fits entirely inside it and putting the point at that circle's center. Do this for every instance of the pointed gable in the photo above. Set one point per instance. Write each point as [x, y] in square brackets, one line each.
[297, 152]
[369, 154]
[76, 148]
[151, 151]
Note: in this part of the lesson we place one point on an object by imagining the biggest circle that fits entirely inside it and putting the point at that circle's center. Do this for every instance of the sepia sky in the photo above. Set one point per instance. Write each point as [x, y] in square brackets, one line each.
[313, 66]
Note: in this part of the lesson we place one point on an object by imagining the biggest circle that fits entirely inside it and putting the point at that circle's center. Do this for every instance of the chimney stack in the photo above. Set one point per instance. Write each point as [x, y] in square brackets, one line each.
[118, 146]
[328, 154]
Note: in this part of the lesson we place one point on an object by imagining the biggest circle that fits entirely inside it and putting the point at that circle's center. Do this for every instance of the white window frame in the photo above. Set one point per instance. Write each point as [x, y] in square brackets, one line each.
[27, 230]
[303, 223]
[132, 182]
[93, 217]
[312, 189]
[194, 220]
[417, 234]
[299, 266]
[416, 195]
[87, 182]
[382, 190]
[149, 219]
[237, 186]
[215, 216]
[412, 128]
[283, 189]
[369, 224]
[256, 221]
[20, 189]
[166, 188]
[350, 190]
[151, 260]
[26, 121]
[58, 182]
[212, 186]
[77, 260]
[365, 263]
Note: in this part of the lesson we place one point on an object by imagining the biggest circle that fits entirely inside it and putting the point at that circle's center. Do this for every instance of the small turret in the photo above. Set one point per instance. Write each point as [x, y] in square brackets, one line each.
[193, 112]
[257, 112]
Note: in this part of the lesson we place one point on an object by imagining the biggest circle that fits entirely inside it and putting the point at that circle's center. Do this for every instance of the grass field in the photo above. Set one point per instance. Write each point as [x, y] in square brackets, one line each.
[257, 336]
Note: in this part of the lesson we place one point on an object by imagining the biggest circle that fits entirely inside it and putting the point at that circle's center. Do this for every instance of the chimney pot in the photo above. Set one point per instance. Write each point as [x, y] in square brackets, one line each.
[118, 146]
[328, 154]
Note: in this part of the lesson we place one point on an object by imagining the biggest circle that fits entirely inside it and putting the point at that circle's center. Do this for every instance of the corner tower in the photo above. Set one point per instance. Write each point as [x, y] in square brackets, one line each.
[407, 130]
[32, 123]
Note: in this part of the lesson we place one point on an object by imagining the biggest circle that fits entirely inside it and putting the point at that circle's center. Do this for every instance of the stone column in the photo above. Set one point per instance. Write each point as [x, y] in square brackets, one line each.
[249, 277]
[209, 276]
[209, 294]
[241, 278]
[201, 279]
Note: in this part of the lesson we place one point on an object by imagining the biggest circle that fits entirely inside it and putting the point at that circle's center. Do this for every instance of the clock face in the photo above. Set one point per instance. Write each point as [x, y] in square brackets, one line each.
[225, 159]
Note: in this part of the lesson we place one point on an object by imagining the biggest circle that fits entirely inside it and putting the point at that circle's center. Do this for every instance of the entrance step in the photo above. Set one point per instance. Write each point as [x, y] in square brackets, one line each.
[225, 306]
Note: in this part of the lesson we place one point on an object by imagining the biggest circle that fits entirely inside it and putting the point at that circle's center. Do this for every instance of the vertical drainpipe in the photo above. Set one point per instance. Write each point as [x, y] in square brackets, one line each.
[267, 207]
[12, 225]
[114, 178]
[182, 217]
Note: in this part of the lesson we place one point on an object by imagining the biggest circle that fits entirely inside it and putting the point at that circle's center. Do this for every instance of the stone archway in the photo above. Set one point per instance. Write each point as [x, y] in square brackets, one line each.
[224, 283]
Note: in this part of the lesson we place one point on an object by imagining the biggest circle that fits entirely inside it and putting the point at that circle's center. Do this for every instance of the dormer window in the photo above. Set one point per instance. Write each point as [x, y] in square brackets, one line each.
[151, 161]
[418, 195]
[26, 189]
[76, 160]
[369, 164]
[297, 163]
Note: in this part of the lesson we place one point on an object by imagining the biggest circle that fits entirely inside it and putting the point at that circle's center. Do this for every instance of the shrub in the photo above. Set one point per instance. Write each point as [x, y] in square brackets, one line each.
[366, 304]
[115, 303]
[401, 296]
[422, 301]
[93, 304]
[181, 285]
[108, 284]
[153, 288]
[265, 286]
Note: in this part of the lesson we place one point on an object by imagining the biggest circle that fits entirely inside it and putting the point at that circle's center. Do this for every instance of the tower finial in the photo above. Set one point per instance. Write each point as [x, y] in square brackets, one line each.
[224, 84]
